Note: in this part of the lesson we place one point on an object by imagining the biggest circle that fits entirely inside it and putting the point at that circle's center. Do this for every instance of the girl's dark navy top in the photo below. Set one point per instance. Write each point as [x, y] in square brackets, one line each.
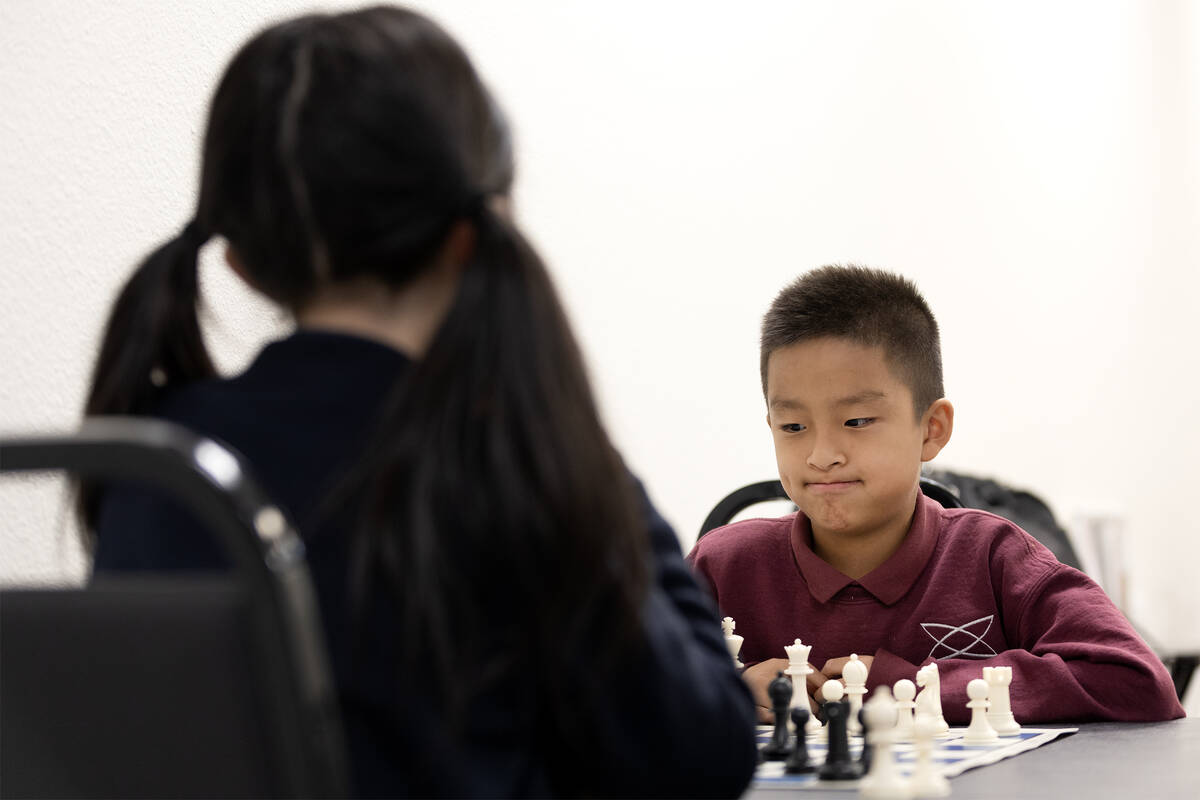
[677, 722]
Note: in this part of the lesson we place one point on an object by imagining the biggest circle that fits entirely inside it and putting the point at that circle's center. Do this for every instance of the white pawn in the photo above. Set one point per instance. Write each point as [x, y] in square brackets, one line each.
[929, 701]
[980, 731]
[832, 691]
[732, 640]
[799, 670]
[1000, 710]
[926, 781]
[904, 692]
[883, 781]
[855, 673]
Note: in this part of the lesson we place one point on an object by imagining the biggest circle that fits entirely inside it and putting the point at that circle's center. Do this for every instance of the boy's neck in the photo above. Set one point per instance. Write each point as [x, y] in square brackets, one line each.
[857, 555]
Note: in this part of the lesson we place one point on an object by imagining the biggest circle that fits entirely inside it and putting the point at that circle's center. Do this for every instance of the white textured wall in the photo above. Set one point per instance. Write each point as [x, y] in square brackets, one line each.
[1033, 165]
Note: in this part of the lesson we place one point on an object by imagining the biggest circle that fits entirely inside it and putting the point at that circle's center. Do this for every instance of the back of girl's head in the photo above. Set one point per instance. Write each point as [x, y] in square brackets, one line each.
[337, 147]
[344, 146]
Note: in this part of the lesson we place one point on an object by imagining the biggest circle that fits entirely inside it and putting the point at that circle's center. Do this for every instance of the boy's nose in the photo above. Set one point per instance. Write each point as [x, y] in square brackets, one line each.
[825, 454]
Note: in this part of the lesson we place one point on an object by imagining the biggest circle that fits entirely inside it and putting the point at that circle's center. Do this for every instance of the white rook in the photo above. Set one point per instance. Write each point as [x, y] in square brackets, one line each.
[1000, 709]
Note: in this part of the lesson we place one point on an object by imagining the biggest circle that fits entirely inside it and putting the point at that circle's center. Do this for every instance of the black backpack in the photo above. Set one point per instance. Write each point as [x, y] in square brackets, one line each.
[1016, 505]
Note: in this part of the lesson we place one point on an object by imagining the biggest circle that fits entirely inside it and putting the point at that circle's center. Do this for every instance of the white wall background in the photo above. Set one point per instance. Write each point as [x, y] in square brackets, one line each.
[1034, 166]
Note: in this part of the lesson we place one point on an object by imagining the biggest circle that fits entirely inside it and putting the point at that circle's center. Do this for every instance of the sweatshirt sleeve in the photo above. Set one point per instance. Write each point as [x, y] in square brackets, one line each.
[1074, 657]
[682, 723]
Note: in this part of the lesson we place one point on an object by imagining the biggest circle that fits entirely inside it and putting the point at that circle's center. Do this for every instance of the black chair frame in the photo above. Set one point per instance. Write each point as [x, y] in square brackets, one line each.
[739, 500]
[268, 590]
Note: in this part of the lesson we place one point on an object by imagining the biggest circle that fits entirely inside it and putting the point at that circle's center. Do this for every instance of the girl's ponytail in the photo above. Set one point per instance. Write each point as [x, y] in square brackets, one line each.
[494, 454]
[152, 340]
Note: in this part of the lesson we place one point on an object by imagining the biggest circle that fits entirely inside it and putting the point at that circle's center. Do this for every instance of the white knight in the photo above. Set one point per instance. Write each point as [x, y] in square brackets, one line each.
[929, 701]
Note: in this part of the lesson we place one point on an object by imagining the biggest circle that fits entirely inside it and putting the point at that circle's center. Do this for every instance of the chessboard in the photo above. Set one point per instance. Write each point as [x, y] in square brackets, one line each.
[951, 755]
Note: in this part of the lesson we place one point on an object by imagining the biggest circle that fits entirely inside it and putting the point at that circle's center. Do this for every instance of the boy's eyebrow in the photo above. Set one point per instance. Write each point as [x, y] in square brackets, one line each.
[786, 404]
[865, 396]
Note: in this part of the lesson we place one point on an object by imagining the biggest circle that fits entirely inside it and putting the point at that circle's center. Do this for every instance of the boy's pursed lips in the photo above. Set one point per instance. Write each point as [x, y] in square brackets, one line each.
[831, 487]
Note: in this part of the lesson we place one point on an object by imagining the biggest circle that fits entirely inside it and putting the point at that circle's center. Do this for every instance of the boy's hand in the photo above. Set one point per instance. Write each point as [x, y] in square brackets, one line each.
[833, 669]
[761, 674]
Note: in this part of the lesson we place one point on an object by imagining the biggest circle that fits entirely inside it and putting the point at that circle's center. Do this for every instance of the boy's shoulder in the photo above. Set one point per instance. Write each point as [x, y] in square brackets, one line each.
[746, 538]
[969, 534]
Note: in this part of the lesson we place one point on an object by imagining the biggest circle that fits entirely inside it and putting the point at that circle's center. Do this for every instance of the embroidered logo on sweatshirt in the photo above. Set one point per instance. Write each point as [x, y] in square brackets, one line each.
[960, 641]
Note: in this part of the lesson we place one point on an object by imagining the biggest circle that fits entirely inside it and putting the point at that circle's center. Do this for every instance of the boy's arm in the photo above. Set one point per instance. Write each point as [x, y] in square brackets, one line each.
[1076, 659]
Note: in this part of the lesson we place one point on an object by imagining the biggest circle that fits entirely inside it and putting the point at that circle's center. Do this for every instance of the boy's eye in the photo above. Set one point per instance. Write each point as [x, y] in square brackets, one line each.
[793, 427]
[859, 422]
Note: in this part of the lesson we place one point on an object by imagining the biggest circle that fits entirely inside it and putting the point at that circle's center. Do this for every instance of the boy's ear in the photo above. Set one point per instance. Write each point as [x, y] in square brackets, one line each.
[937, 424]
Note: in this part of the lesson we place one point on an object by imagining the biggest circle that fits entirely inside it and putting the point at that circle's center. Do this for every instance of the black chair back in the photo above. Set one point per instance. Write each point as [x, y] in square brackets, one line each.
[739, 500]
[147, 685]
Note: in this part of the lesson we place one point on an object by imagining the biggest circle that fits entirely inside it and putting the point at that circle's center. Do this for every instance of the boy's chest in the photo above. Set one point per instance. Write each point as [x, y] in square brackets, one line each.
[929, 622]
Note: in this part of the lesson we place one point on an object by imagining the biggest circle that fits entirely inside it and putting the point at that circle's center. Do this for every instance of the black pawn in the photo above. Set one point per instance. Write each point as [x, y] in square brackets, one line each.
[867, 749]
[797, 760]
[780, 692]
[838, 766]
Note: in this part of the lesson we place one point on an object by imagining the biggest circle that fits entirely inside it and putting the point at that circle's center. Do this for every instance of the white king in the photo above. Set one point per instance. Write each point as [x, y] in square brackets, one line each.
[799, 671]
[732, 640]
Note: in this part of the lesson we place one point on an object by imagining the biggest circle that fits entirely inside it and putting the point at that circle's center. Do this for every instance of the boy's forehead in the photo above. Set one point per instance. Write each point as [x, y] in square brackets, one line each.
[831, 370]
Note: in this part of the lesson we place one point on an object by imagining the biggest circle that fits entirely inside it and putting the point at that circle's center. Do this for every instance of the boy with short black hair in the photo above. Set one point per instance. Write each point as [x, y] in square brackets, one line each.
[852, 376]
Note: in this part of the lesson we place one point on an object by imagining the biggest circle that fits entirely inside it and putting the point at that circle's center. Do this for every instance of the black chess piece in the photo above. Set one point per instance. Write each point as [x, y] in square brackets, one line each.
[868, 749]
[797, 761]
[780, 692]
[838, 766]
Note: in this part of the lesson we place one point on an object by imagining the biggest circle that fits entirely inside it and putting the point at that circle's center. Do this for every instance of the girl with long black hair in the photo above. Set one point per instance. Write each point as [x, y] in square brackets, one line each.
[506, 613]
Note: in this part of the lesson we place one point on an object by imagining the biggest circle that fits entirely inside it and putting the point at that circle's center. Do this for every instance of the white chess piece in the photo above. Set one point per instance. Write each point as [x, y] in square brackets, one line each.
[732, 641]
[1000, 710]
[929, 701]
[980, 731]
[799, 670]
[926, 780]
[904, 691]
[883, 781]
[832, 691]
[855, 673]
